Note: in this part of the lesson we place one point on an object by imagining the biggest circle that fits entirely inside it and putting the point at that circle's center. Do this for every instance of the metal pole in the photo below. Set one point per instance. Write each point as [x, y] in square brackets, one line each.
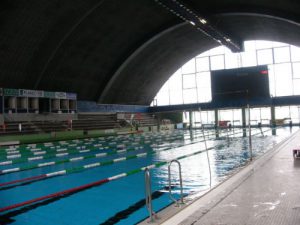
[208, 161]
[250, 138]
[299, 115]
[148, 193]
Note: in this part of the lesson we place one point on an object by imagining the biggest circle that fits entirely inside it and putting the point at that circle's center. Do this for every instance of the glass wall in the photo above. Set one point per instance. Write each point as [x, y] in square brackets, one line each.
[206, 118]
[191, 82]
[288, 113]
[234, 116]
[260, 115]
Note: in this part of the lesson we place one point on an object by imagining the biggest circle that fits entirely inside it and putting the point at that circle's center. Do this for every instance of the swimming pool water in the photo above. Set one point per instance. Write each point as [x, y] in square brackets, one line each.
[122, 201]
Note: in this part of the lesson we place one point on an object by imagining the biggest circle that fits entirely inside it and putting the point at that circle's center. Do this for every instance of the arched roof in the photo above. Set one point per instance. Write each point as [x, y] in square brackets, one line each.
[122, 51]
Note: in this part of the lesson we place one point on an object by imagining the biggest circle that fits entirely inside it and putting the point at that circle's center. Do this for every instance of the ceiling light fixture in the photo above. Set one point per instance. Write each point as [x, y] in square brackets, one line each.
[203, 21]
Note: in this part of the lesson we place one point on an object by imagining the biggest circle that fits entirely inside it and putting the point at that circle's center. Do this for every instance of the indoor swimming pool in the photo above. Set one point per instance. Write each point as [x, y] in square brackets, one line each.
[101, 180]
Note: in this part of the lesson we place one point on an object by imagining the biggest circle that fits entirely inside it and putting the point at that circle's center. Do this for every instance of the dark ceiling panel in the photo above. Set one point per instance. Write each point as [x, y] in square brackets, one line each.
[122, 51]
[103, 40]
[182, 44]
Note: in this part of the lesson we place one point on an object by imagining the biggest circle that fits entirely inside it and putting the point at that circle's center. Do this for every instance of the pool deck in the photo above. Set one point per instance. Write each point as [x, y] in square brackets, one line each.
[266, 192]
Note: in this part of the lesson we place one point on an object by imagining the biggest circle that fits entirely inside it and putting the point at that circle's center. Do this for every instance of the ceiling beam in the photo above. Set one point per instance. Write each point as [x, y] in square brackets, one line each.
[201, 24]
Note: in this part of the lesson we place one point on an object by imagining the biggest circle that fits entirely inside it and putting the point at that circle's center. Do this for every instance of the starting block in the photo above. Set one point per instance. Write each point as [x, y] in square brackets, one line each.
[296, 153]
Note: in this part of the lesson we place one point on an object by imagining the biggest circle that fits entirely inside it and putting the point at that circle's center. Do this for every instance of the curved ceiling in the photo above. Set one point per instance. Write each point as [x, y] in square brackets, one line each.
[122, 51]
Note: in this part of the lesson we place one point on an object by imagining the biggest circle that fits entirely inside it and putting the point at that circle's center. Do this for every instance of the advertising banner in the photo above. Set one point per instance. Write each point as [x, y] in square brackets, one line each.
[10, 92]
[60, 95]
[31, 93]
[72, 96]
[37, 93]
[48, 94]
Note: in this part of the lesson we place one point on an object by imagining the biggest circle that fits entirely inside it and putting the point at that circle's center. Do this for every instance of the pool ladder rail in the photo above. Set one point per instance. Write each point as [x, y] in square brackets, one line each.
[177, 202]
[148, 191]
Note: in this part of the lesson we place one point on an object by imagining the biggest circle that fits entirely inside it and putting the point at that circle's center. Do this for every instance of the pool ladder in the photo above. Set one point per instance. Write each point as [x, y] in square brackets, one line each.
[148, 193]
[180, 182]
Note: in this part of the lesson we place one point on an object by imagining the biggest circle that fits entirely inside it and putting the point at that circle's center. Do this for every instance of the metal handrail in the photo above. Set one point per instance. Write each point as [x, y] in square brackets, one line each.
[148, 193]
[208, 161]
[180, 180]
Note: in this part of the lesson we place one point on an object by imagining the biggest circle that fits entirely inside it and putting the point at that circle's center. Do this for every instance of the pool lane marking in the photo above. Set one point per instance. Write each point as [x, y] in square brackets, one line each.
[93, 165]
[77, 169]
[27, 154]
[57, 155]
[17, 161]
[26, 179]
[60, 148]
[38, 165]
[125, 213]
[74, 142]
[177, 135]
[65, 154]
[7, 217]
[60, 193]
[40, 152]
[93, 184]
[54, 153]
[80, 169]
[90, 142]
[95, 143]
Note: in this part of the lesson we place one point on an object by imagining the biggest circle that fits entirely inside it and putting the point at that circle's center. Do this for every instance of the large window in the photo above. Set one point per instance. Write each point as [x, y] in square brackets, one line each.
[288, 112]
[204, 117]
[260, 115]
[191, 83]
[234, 116]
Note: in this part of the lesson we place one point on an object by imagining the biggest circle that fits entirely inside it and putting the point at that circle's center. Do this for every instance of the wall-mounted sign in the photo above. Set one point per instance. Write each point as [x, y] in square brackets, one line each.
[31, 93]
[37, 94]
[72, 96]
[60, 95]
[48, 94]
[10, 92]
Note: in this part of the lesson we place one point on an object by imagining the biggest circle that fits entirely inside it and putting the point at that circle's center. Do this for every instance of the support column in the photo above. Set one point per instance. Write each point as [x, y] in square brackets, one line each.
[216, 122]
[273, 120]
[250, 137]
[244, 121]
[191, 119]
[298, 115]
[158, 116]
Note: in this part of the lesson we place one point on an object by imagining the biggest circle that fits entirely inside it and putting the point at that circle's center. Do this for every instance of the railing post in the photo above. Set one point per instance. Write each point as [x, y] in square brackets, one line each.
[250, 138]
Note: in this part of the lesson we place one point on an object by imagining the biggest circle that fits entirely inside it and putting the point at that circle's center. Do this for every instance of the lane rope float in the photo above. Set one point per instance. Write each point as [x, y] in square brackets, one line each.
[94, 184]
[35, 152]
[82, 168]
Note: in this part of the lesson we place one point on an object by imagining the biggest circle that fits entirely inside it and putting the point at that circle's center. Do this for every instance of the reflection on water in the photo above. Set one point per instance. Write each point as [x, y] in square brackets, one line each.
[230, 153]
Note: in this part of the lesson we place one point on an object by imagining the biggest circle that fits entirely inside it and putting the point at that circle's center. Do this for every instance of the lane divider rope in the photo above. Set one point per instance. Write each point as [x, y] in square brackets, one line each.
[87, 166]
[63, 151]
[81, 168]
[94, 184]
[63, 154]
